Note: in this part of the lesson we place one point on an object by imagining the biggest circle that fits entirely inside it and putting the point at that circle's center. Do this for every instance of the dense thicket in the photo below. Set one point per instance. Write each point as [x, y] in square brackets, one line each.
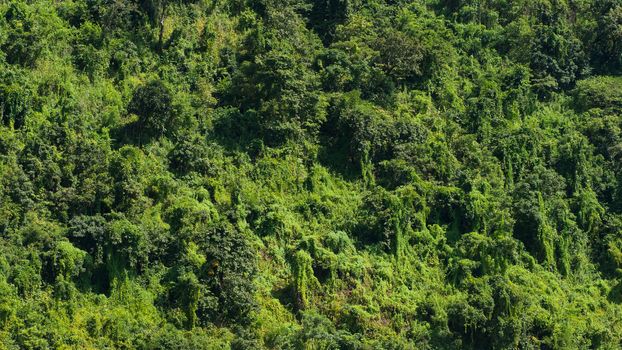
[311, 174]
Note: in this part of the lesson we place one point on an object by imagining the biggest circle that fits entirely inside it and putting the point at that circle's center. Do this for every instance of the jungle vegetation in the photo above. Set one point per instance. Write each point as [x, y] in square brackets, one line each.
[310, 174]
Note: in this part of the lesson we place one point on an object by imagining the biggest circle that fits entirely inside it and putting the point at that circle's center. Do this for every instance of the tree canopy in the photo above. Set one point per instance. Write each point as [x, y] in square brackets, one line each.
[298, 174]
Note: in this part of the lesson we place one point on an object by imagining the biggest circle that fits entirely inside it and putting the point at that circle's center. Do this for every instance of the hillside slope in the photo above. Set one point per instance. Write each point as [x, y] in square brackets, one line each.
[298, 174]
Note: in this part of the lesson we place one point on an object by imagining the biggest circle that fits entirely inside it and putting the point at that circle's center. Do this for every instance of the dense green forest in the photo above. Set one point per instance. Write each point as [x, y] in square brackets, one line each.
[310, 174]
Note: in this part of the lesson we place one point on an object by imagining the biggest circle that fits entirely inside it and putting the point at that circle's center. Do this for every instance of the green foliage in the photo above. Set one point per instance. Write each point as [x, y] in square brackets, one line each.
[153, 104]
[599, 92]
[296, 174]
[15, 102]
